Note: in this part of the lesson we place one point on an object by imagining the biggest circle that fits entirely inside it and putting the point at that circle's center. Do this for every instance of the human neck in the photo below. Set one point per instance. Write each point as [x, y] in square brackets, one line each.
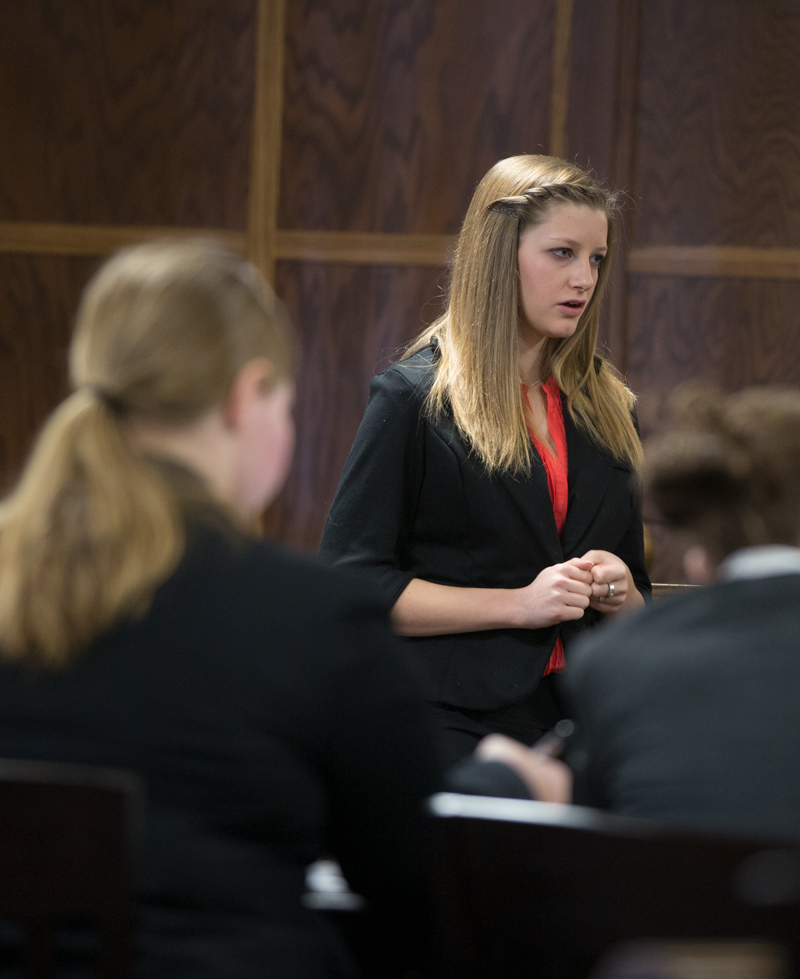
[203, 445]
[530, 359]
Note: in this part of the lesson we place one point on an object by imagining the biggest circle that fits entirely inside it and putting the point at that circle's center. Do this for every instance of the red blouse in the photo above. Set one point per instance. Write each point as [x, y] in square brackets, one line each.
[556, 469]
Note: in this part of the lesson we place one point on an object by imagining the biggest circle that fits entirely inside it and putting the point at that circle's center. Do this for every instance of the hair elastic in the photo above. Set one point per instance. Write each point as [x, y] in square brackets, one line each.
[112, 401]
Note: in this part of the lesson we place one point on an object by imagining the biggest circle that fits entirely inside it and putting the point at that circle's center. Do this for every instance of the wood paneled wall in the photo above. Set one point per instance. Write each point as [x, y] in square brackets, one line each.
[118, 121]
[339, 142]
[393, 111]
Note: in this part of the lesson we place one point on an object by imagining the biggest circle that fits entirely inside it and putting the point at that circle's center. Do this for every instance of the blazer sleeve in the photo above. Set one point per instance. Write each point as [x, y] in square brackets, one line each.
[377, 495]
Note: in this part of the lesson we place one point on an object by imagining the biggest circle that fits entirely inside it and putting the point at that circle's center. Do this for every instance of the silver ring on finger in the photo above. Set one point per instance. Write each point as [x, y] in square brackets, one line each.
[611, 590]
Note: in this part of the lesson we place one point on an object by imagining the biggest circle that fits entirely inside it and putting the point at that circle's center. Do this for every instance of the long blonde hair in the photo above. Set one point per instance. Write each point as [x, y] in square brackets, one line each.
[478, 376]
[93, 527]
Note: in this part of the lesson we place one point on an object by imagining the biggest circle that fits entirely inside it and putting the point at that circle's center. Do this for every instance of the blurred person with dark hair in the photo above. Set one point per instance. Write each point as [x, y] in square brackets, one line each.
[143, 626]
[688, 711]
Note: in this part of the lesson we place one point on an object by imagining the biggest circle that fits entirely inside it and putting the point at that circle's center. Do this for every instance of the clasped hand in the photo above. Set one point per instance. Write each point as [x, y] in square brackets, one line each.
[563, 592]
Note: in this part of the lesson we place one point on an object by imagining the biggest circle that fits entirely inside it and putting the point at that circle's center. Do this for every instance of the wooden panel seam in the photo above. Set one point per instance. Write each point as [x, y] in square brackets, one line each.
[623, 165]
[34, 238]
[712, 261]
[363, 248]
[262, 217]
[559, 99]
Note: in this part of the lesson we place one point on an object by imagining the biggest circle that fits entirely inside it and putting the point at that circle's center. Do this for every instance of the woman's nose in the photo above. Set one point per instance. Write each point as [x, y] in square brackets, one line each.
[583, 274]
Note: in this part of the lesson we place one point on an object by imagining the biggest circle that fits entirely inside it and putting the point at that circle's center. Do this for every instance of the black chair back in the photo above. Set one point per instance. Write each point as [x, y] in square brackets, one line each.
[69, 846]
[540, 890]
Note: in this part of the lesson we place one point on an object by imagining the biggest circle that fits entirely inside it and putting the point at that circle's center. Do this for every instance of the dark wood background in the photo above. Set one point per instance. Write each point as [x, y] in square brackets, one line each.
[339, 142]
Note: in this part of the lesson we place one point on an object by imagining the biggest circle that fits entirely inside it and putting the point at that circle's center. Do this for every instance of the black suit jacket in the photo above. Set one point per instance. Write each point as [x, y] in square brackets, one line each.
[413, 502]
[688, 711]
[262, 701]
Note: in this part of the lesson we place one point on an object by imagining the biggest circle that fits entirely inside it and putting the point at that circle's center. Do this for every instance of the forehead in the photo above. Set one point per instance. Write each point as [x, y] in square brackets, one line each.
[576, 222]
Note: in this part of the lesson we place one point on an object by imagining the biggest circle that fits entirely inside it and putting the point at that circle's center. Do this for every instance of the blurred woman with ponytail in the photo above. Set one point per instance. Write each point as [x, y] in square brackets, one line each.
[166, 335]
[490, 491]
[142, 626]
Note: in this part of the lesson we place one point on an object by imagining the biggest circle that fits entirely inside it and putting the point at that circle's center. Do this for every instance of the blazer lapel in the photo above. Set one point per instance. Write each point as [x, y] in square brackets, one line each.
[531, 497]
[589, 468]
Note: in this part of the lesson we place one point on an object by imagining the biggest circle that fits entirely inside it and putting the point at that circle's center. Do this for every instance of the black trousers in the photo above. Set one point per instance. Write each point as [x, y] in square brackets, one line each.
[461, 730]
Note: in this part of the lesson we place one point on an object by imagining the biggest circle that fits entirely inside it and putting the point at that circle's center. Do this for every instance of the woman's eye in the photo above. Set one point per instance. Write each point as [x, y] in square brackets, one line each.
[598, 259]
[562, 252]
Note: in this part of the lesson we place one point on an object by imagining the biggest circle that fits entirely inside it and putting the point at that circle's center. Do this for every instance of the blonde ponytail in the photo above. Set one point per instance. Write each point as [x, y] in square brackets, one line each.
[83, 498]
[93, 527]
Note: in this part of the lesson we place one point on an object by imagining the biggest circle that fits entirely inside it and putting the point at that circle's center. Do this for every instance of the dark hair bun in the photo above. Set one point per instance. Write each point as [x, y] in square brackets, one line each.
[724, 452]
[692, 472]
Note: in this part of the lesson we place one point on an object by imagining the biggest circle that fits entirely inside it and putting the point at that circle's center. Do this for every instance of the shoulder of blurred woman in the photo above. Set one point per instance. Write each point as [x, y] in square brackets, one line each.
[253, 594]
[265, 568]
[260, 588]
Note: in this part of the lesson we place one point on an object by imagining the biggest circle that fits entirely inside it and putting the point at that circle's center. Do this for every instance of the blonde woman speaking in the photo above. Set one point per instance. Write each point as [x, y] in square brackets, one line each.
[489, 493]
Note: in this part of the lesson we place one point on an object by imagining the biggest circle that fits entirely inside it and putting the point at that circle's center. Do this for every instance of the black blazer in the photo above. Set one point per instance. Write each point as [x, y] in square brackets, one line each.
[413, 502]
[262, 701]
[688, 711]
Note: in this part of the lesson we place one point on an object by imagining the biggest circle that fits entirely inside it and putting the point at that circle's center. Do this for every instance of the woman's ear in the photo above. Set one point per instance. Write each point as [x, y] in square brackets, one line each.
[698, 566]
[250, 384]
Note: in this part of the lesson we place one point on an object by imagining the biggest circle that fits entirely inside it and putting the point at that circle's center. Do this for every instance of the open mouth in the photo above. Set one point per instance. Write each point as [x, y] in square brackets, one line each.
[574, 304]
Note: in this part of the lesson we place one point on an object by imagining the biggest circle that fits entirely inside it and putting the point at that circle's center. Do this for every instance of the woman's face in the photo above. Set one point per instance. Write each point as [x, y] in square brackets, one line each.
[559, 262]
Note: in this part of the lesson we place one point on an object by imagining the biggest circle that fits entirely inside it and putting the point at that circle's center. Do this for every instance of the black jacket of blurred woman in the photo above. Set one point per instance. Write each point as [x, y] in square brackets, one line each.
[143, 626]
[489, 492]
[687, 712]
